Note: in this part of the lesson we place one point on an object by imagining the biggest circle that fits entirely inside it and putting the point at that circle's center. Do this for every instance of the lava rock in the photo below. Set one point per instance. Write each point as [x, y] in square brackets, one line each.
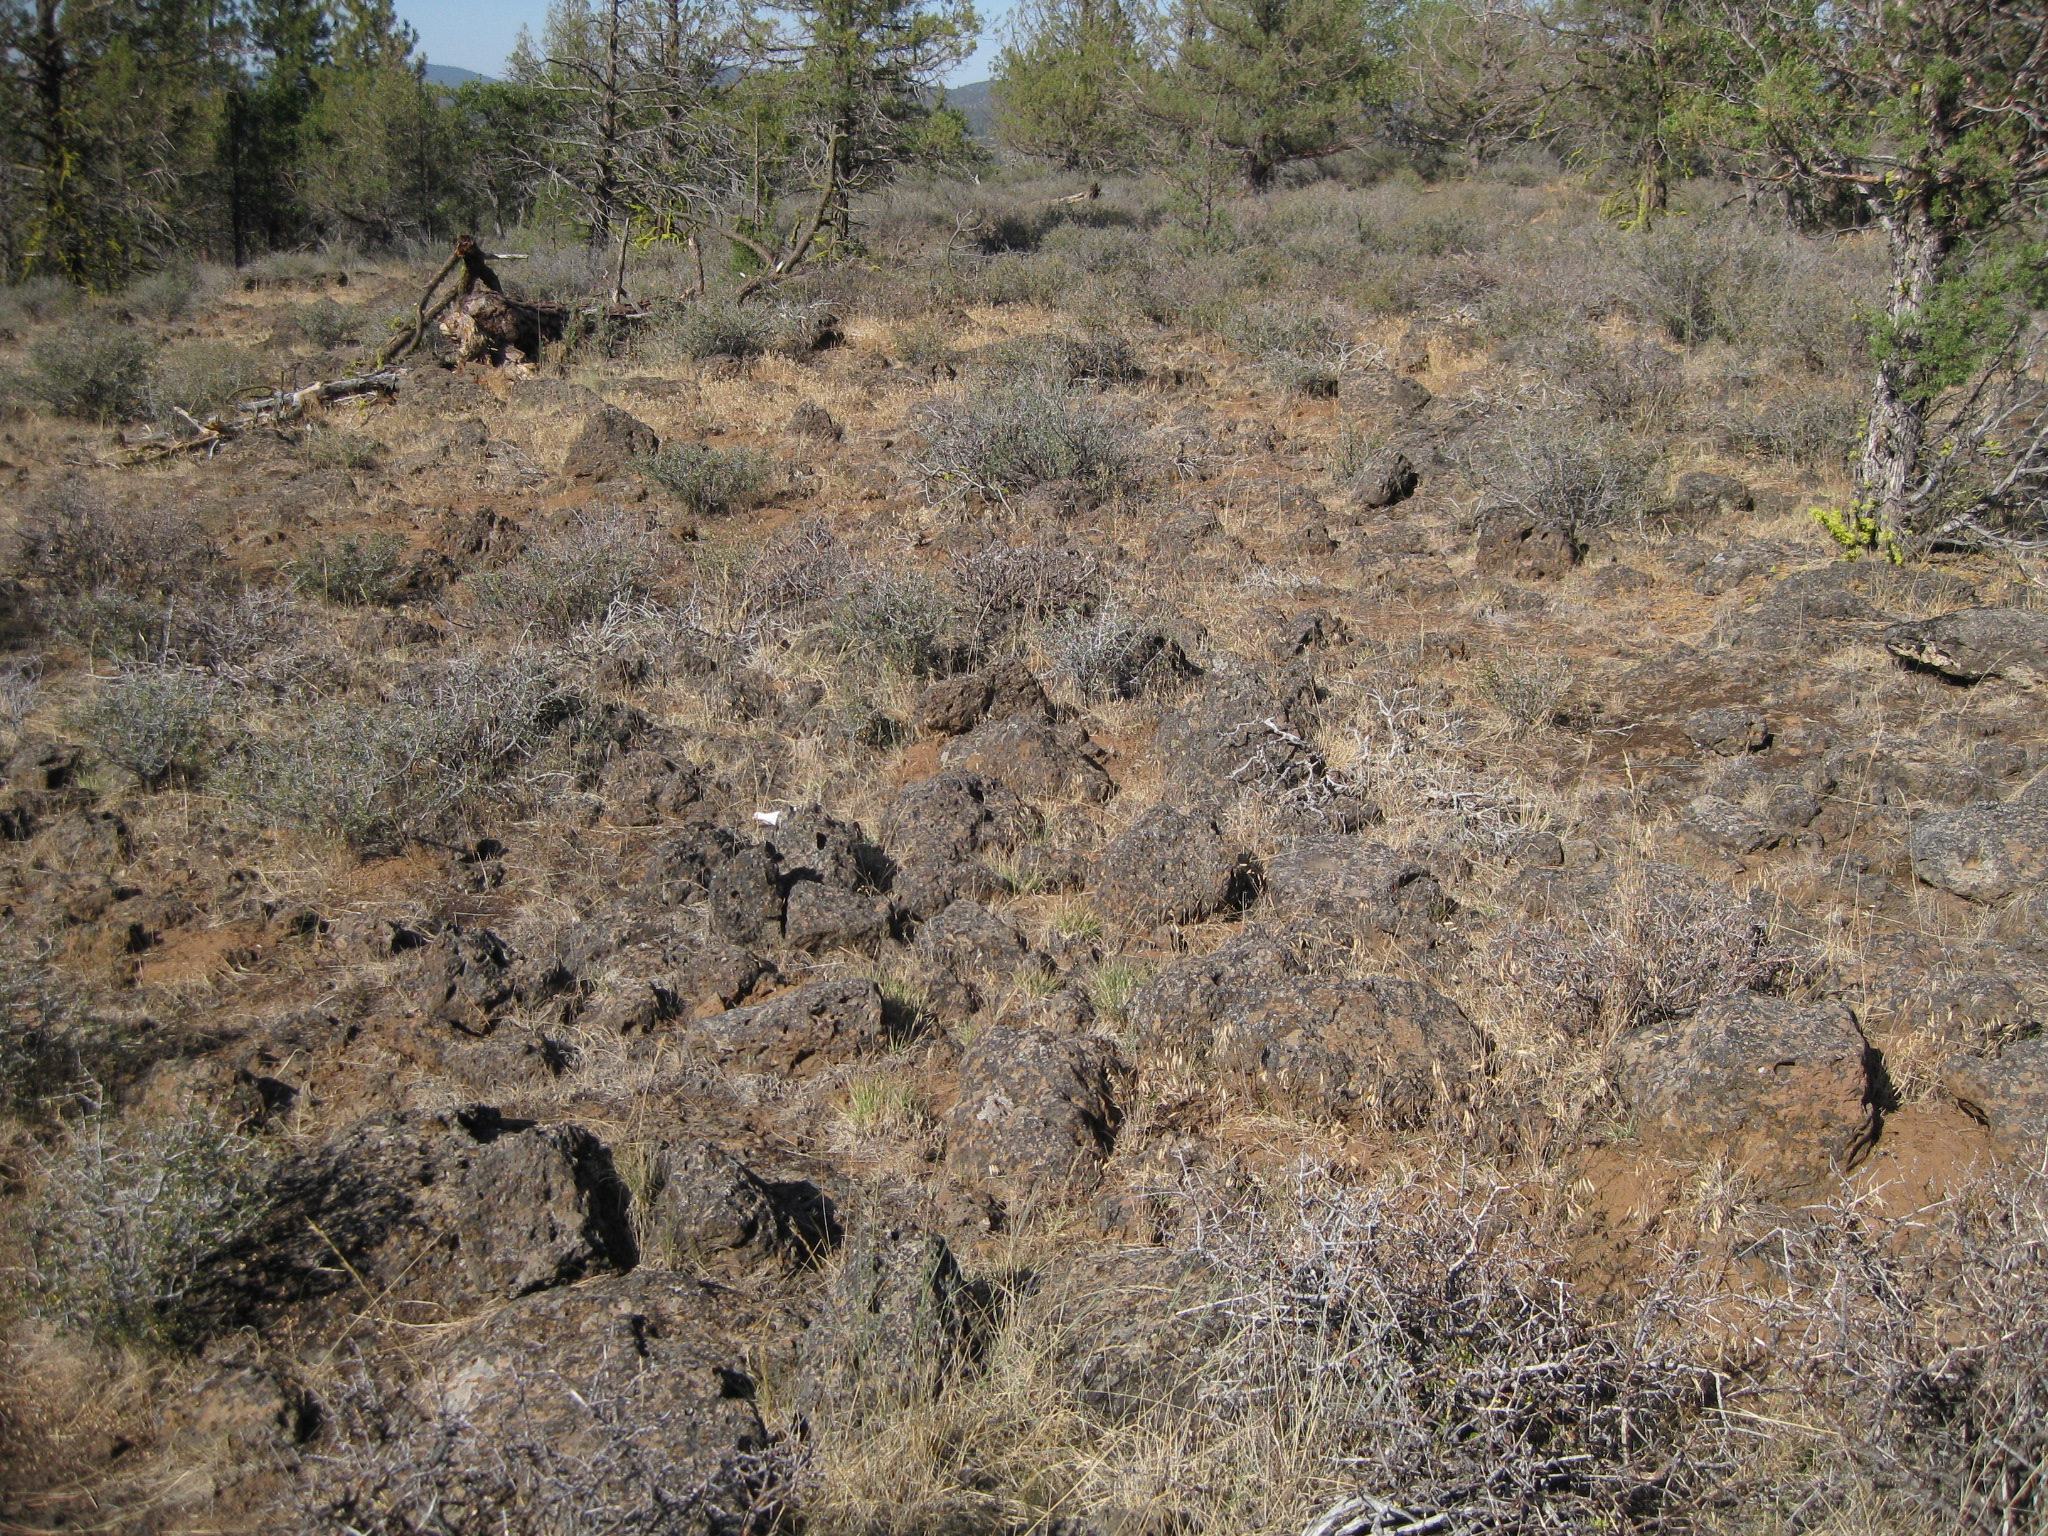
[940, 832]
[1047, 762]
[435, 1213]
[2008, 1092]
[1982, 853]
[826, 1024]
[1700, 494]
[1037, 1114]
[607, 445]
[1521, 544]
[1789, 1093]
[1977, 643]
[1170, 867]
[958, 704]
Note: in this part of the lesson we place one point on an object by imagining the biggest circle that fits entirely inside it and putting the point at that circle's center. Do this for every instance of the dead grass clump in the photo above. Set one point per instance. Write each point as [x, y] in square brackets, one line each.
[1305, 1344]
[1525, 690]
[1657, 945]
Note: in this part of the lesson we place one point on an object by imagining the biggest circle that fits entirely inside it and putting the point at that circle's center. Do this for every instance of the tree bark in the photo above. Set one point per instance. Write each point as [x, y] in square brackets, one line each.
[1890, 466]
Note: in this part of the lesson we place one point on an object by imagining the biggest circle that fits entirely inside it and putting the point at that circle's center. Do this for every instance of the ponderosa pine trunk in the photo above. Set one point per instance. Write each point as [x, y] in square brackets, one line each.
[1899, 400]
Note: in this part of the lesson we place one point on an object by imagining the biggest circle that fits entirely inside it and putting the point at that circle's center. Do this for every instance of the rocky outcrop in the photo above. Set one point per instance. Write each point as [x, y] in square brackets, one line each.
[941, 833]
[1975, 643]
[607, 445]
[1036, 1117]
[1790, 1094]
[2008, 1092]
[627, 1395]
[432, 1214]
[1170, 867]
[829, 1023]
[1982, 853]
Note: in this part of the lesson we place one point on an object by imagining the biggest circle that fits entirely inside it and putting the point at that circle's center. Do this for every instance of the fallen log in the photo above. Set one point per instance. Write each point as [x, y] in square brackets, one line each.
[270, 409]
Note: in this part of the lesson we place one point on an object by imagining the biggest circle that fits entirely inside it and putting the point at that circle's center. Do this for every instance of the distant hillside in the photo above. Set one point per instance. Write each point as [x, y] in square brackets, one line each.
[448, 74]
[974, 101]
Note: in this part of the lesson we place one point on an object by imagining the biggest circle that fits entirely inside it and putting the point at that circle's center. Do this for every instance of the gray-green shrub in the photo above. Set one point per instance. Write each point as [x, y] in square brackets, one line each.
[156, 722]
[997, 441]
[127, 1212]
[199, 378]
[710, 481]
[91, 368]
[574, 574]
[351, 569]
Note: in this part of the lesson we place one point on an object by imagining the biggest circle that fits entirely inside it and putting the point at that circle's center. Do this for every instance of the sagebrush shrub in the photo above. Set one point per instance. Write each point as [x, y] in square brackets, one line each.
[72, 541]
[127, 1212]
[710, 481]
[92, 368]
[156, 722]
[355, 568]
[574, 574]
[1110, 653]
[199, 378]
[329, 325]
[902, 621]
[376, 773]
[995, 442]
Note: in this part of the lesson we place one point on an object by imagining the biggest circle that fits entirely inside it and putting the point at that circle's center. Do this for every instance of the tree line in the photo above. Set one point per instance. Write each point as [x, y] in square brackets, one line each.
[139, 130]
[1926, 120]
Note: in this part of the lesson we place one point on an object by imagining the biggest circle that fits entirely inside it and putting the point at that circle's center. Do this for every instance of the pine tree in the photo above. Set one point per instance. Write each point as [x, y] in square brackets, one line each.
[1930, 115]
[1065, 86]
[1268, 83]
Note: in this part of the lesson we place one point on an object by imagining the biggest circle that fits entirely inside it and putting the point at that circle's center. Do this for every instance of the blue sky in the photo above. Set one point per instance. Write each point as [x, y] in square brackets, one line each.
[474, 36]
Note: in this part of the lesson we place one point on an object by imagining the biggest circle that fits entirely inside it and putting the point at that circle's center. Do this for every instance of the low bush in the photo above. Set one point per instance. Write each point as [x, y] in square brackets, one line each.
[710, 481]
[711, 328]
[199, 378]
[91, 368]
[377, 773]
[1303, 353]
[329, 325]
[903, 622]
[1111, 653]
[1525, 691]
[155, 722]
[573, 575]
[37, 301]
[125, 1215]
[351, 569]
[72, 541]
[168, 295]
[1579, 476]
[995, 442]
[1002, 588]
